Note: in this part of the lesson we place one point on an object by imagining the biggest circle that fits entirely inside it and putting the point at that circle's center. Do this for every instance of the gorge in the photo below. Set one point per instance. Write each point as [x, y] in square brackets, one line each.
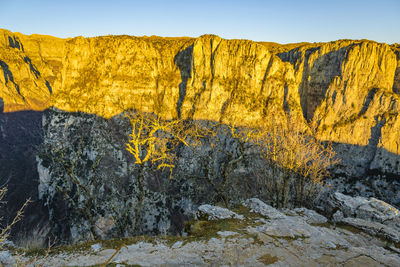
[65, 98]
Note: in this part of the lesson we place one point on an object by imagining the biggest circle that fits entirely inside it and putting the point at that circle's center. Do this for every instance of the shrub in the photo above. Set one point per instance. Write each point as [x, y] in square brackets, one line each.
[297, 162]
[5, 230]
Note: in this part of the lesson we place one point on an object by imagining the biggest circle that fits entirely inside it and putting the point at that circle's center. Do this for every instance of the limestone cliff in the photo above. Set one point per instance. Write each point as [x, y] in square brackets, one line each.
[344, 85]
[351, 88]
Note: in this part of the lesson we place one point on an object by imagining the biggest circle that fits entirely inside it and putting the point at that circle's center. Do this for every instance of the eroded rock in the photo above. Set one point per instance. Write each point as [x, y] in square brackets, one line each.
[311, 216]
[374, 228]
[210, 212]
[370, 215]
[6, 259]
[265, 210]
[285, 241]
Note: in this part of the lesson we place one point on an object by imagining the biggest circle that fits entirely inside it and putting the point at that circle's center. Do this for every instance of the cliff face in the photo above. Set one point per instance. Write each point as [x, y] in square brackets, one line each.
[106, 196]
[351, 89]
[344, 85]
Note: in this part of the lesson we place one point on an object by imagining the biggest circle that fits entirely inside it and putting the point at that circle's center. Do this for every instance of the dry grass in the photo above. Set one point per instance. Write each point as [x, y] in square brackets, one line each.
[36, 239]
[268, 259]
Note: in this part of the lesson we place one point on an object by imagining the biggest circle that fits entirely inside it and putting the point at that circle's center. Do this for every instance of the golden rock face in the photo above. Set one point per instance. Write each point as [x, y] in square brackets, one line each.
[23, 86]
[351, 88]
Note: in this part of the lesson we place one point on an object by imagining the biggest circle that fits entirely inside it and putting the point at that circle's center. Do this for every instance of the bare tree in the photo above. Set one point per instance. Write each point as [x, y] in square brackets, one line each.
[296, 161]
[152, 142]
[221, 150]
[5, 230]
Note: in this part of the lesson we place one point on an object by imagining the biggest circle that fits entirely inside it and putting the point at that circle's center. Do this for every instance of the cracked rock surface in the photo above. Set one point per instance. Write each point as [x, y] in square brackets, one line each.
[265, 236]
[370, 215]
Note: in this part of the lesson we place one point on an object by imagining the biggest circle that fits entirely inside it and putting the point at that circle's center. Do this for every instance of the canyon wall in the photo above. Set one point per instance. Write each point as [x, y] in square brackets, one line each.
[348, 89]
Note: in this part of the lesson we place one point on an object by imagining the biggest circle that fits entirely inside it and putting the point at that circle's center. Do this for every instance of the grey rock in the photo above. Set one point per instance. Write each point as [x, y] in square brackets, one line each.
[287, 241]
[337, 216]
[263, 209]
[311, 216]
[347, 204]
[287, 228]
[370, 215]
[210, 212]
[177, 244]
[96, 247]
[226, 233]
[359, 207]
[374, 228]
[387, 210]
[6, 259]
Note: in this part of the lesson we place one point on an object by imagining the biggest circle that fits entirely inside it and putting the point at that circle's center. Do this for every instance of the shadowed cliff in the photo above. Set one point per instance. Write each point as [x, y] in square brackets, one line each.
[21, 134]
[85, 149]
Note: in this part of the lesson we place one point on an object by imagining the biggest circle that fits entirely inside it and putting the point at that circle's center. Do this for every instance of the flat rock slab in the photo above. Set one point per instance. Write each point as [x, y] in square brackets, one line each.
[291, 239]
[310, 216]
[318, 247]
[374, 228]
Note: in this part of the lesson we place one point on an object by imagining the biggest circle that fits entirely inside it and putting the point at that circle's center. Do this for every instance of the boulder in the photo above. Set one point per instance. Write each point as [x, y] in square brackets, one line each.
[374, 228]
[368, 209]
[211, 212]
[263, 209]
[372, 215]
[6, 259]
[286, 228]
[310, 216]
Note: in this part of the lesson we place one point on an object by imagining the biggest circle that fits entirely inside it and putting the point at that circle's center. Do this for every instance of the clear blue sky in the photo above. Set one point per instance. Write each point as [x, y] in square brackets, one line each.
[284, 21]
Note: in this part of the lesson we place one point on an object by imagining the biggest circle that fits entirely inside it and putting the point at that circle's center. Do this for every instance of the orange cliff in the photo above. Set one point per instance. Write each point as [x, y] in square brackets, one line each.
[350, 88]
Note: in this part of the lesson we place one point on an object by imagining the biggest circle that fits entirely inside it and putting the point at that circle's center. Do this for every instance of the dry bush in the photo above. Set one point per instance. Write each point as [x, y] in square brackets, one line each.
[35, 239]
[221, 151]
[5, 230]
[297, 162]
[289, 161]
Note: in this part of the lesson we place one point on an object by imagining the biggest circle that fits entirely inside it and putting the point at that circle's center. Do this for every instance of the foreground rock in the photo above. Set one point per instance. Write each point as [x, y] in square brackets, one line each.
[263, 209]
[381, 186]
[265, 236]
[370, 215]
[210, 212]
[6, 259]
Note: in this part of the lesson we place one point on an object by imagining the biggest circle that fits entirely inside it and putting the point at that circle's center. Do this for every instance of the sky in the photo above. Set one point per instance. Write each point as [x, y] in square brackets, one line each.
[285, 21]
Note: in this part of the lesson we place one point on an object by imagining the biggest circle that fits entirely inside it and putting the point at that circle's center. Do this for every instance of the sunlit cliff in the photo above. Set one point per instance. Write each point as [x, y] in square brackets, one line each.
[350, 88]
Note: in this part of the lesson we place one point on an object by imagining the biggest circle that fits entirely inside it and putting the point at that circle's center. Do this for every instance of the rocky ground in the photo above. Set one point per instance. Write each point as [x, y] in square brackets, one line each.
[362, 232]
